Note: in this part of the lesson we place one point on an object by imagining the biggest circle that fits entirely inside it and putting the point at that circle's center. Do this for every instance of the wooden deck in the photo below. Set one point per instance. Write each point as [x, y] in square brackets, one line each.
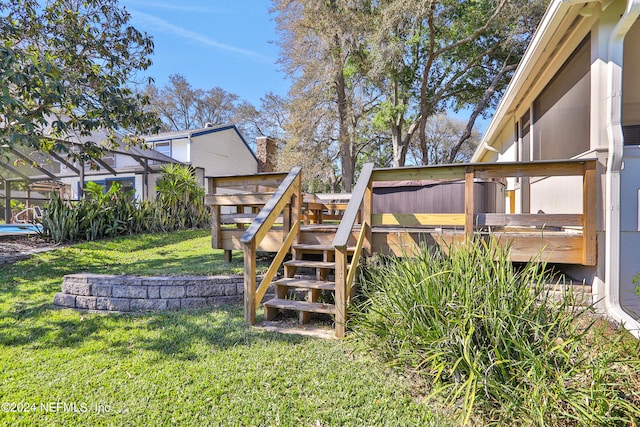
[268, 212]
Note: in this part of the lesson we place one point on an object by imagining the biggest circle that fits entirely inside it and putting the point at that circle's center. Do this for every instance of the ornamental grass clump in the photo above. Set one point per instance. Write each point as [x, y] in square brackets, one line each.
[493, 340]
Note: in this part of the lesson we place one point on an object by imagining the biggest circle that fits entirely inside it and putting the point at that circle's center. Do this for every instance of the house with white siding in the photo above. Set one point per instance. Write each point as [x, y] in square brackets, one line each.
[211, 151]
[576, 95]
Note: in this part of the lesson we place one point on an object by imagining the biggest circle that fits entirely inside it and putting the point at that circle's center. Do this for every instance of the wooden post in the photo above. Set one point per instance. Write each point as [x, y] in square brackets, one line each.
[215, 217]
[367, 213]
[589, 247]
[145, 180]
[525, 194]
[295, 208]
[341, 291]
[469, 222]
[7, 202]
[250, 282]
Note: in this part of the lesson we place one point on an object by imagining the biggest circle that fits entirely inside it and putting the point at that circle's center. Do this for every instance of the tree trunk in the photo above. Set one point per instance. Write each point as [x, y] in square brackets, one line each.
[346, 157]
[480, 106]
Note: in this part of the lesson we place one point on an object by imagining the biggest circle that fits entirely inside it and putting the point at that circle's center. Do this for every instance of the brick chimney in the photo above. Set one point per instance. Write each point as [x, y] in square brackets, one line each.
[266, 154]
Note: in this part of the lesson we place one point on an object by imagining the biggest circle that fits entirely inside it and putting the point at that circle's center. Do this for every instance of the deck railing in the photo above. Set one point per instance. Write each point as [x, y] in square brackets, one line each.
[573, 248]
[361, 201]
[286, 201]
[561, 237]
[472, 221]
[237, 194]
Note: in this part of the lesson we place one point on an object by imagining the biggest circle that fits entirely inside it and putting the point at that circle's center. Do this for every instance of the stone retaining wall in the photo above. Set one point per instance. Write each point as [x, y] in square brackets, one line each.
[129, 293]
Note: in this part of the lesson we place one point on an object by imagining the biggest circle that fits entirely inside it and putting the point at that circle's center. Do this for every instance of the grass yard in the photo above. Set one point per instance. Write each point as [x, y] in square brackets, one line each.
[204, 367]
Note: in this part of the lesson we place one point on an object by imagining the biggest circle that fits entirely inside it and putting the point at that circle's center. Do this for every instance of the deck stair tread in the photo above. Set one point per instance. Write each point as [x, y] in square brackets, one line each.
[319, 248]
[311, 307]
[319, 228]
[306, 283]
[310, 264]
[241, 218]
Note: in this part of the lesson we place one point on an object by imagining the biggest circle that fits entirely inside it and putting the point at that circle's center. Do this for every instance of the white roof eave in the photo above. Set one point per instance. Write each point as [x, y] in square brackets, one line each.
[551, 20]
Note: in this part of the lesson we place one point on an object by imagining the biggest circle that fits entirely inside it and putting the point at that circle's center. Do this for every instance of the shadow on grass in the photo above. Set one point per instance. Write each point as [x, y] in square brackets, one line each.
[176, 335]
[144, 241]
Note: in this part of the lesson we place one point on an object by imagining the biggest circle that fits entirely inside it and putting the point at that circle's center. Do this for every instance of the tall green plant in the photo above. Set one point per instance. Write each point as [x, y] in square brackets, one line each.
[180, 205]
[491, 337]
[179, 191]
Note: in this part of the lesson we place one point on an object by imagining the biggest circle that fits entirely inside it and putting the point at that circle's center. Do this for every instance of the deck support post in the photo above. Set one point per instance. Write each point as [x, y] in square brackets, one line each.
[250, 282]
[469, 177]
[367, 214]
[341, 291]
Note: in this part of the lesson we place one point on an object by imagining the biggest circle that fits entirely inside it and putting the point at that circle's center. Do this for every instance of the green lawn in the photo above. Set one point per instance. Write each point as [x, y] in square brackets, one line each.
[204, 367]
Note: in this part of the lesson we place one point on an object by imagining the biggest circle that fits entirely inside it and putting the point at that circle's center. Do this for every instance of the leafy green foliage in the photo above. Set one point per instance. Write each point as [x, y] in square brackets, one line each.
[65, 68]
[491, 338]
[180, 206]
[179, 192]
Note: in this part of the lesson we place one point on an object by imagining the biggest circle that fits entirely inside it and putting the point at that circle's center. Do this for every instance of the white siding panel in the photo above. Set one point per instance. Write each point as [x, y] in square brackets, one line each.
[179, 150]
[557, 195]
[222, 153]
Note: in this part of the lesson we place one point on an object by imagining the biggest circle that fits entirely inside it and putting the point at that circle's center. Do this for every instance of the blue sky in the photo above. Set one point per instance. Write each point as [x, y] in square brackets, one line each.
[225, 43]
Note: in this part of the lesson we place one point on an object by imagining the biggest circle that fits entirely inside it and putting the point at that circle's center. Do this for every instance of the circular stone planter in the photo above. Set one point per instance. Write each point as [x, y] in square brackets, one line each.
[104, 292]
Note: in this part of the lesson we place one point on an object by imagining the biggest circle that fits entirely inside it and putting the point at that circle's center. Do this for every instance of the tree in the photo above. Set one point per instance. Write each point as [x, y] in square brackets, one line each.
[66, 68]
[181, 106]
[431, 56]
[441, 134]
[321, 47]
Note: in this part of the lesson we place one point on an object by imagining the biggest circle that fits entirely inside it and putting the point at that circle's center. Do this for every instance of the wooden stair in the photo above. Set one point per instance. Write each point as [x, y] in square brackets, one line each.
[302, 293]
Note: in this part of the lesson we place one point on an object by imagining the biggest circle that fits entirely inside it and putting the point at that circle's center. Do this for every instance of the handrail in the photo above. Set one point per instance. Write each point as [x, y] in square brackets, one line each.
[484, 170]
[343, 273]
[468, 173]
[351, 213]
[272, 209]
[287, 193]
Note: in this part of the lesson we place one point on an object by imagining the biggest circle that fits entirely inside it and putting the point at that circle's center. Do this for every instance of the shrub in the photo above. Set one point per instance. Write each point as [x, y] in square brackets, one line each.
[491, 338]
[179, 192]
[180, 205]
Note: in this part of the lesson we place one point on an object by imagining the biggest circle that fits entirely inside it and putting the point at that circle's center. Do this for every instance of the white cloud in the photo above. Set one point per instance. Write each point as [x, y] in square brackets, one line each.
[166, 26]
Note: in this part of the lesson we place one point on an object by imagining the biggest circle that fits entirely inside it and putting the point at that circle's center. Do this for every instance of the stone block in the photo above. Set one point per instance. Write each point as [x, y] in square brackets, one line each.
[64, 300]
[148, 304]
[100, 290]
[172, 291]
[230, 289]
[224, 300]
[173, 304]
[240, 288]
[113, 304]
[104, 279]
[192, 302]
[88, 303]
[126, 291]
[153, 292]
[205, 290]
[76, 287]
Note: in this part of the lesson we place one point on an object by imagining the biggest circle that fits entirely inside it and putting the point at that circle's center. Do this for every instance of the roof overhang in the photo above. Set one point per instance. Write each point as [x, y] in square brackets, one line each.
[561, 18]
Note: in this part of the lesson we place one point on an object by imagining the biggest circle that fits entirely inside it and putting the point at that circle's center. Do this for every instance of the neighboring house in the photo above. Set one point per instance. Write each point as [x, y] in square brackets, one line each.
[576, 94]
[212, 150]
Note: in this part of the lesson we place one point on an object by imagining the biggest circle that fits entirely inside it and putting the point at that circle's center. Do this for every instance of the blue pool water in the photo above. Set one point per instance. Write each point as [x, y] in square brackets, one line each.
[20, 228]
